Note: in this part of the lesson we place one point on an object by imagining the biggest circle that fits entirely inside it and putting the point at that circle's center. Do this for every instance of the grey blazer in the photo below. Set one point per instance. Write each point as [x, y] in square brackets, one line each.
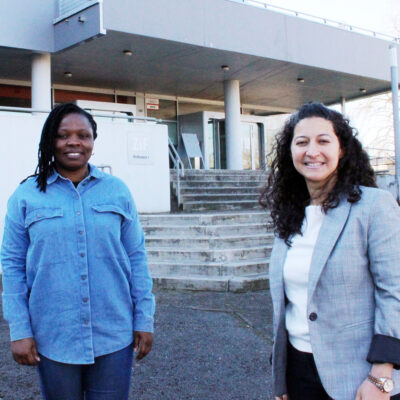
[354, 288]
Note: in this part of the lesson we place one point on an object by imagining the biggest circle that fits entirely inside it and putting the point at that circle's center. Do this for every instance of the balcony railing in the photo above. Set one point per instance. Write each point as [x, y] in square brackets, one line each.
[325, 21]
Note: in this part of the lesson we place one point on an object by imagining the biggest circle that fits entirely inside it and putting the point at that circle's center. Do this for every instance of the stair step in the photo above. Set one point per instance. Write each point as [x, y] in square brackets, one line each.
[213, 283]
[256, 266]
[207, 219]
[218, 178]
[204, 242]
[220, 205]
[207, 255]
[220, 190]
[221, 172]
[222, 184]
[220, 197]
[211, 231]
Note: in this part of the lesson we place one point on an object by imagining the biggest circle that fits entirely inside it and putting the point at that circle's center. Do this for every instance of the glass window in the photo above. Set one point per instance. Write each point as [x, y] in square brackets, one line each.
[15, 96]
[65, 96]
[167, 111]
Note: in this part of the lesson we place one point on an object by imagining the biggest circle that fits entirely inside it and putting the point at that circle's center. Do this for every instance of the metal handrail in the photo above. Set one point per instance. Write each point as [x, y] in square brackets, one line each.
[129, 117]
[23, 110]
[320, 20]
[179, 167]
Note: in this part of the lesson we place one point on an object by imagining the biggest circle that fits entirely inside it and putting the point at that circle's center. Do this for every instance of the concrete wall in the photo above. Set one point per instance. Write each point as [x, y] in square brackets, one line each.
[147, 178]
[27, 24]
[244, 29]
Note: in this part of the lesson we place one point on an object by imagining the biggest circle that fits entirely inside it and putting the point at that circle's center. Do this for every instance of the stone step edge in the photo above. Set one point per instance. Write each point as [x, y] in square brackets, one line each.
[232, 263]
[231, 226]
[213, 195]
[226, 188]
[189, 237]
[192, 250]
[221, 202]
[189, 171]
[231, 283]
[207, 215]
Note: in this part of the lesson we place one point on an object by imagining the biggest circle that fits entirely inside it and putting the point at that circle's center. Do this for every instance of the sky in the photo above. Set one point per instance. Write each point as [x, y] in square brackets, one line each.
[373, 117]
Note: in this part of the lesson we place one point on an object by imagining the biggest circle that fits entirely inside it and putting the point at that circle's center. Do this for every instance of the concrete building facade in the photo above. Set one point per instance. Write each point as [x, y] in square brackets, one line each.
[157, 67]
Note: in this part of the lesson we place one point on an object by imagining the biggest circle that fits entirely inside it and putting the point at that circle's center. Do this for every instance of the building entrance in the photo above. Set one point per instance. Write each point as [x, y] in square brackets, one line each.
[250, 145]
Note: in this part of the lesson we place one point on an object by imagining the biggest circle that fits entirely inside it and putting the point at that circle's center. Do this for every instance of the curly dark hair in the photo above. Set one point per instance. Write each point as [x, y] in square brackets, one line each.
[45, 166]
[286, 193]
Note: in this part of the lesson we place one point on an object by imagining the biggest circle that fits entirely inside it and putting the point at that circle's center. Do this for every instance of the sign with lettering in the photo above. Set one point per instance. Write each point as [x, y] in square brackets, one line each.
[139, 150]
[152, 103]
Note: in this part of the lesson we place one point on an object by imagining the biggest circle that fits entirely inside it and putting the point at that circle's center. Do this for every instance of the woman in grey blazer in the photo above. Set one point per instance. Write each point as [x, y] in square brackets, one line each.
[335, 265]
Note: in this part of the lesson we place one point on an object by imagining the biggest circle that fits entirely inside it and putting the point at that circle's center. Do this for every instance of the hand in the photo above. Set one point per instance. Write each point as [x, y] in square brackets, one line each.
[24, 351]
[368, 391]
[142, 343]
[283, 397]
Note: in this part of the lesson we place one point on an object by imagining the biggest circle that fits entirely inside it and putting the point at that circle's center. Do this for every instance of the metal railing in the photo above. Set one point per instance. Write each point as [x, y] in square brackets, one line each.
[179, 168]
[320, 20]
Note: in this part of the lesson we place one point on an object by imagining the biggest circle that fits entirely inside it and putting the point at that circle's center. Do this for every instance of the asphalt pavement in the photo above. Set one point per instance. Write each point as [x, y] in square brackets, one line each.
[208, 346]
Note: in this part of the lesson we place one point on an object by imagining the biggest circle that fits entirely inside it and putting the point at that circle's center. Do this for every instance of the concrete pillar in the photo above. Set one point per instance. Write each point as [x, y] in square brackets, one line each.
[232, 125]
[140, 105]
[41, 82]
[343, 104]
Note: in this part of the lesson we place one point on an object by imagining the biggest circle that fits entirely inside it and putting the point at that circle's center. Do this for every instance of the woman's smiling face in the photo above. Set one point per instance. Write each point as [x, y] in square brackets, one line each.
[73, 144]
[315, 150]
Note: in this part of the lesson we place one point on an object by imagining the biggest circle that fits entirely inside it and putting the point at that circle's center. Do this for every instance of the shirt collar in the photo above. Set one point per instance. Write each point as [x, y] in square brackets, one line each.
[93, 173]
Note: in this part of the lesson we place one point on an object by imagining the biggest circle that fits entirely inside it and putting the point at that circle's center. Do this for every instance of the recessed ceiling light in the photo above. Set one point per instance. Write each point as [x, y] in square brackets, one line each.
[127, 52]
[301, 80]
[363, 90]
[225, 67]
[68, 74]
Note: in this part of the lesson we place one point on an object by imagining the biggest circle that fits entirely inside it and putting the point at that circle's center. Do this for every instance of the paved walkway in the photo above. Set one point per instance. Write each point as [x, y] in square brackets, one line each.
[208, 346]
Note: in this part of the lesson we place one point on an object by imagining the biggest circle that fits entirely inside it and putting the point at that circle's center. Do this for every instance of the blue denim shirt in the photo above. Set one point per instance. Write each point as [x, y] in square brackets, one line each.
[75, 273]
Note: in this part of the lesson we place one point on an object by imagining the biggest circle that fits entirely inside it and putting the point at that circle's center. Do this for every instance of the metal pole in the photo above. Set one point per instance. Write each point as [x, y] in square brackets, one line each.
[395, 101]
[343, 104]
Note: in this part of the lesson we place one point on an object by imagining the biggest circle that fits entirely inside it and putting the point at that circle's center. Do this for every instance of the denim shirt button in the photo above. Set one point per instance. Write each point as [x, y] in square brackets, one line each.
[83, 277]
[82, 255]
[78, 213]
[85, 299]
[86, 322]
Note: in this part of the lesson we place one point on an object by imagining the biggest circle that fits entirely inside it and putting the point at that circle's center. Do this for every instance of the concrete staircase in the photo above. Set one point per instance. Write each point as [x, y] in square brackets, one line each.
[218, 251]
[203, 190]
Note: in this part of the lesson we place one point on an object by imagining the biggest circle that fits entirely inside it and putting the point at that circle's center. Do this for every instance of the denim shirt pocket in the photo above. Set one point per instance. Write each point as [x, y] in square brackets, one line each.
[112, 208]
[108, 221]
[45, 228]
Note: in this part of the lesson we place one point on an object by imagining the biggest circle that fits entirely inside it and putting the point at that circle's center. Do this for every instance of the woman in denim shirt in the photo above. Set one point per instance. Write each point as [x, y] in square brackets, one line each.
[77, 289]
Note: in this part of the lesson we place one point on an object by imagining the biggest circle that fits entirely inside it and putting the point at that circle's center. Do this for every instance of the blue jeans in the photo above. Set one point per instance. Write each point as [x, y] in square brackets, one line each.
[107, 379]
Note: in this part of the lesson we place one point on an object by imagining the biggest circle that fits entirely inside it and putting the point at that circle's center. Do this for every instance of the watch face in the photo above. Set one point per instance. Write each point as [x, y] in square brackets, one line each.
[388, 385]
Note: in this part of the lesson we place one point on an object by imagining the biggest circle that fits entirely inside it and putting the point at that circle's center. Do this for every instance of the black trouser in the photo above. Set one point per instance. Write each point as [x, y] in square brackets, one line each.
[303, 382]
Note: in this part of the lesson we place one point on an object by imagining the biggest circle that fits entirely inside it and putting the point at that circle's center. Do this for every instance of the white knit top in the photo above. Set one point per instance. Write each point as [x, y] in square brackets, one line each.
[295, 276]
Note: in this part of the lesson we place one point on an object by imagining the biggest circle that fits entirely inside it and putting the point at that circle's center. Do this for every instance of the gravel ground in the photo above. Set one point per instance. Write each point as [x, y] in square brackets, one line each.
[208, 346]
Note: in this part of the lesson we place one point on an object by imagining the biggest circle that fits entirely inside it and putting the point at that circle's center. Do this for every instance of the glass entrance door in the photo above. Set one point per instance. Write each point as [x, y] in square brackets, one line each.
[250, 145]
[216, 148]
[216, 144]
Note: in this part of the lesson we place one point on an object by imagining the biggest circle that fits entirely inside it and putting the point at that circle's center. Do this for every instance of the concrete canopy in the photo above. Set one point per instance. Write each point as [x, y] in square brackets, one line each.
[178, 50]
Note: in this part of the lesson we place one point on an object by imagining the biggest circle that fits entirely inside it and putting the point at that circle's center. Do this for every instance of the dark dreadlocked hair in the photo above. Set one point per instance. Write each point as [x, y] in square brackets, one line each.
[45, 166]
[286, 193]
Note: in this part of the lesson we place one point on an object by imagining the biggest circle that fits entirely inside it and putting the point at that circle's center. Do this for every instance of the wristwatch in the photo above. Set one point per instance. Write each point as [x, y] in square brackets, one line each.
[385, 385]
